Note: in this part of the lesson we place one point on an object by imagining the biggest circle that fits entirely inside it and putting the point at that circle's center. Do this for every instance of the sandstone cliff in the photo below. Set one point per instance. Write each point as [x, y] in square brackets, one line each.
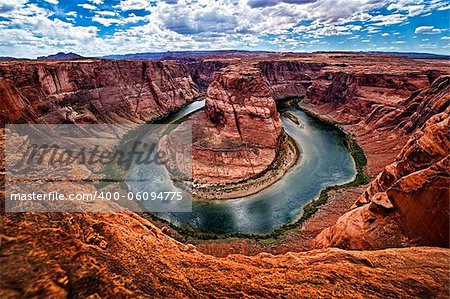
[355, 95]
[92, 91]
[121, 255]
[380, 101]
[290, 79]
[237, 135]
[202, 71]
[408, 203]
[379, 104]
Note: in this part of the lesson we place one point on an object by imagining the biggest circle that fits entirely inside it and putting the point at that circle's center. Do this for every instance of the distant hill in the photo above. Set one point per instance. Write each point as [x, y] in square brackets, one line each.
[178, 54]
[7, 58]
[414, 55]
[60, 56]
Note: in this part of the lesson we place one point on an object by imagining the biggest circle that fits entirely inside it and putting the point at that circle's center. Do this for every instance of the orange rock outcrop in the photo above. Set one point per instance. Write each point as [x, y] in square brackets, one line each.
[408, 202]
[120, 255]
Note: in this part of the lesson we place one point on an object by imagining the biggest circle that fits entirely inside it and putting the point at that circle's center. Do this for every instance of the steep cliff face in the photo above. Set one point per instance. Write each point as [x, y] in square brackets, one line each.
[412, 112]
[202, 71]
[290, 79]
[92, 91]
[239, 102]
[379, 104]
[408, 202]
[355, 95]
[237, 135]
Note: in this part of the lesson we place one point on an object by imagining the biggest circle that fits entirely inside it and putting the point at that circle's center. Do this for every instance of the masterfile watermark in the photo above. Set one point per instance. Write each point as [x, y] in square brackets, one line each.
[53, 155]
[73, 168]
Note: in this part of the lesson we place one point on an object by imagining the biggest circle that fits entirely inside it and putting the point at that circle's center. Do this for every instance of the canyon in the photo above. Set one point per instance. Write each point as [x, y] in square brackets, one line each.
[397, 109]
[93, 91]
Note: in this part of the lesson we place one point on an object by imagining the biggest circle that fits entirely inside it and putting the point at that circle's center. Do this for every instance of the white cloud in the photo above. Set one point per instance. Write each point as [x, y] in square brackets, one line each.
[31, 32]
[446, 7]
[373, 29]
[71, 14]
[105, 21]
[107, 13]
[7, 6]
[88, 6]
[125, 5]
[399, 42]
[132, 18]
[427, 30]
[54, 2]
[428, 46]
[207, 24]
[411, 7]
[445, 37]
[385, 20]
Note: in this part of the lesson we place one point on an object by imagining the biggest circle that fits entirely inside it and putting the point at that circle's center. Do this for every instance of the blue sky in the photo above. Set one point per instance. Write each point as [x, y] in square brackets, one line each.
[31, 28]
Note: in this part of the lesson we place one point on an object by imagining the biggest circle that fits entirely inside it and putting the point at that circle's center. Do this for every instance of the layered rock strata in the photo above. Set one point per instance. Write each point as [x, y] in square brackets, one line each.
[388, 101]
[92, 91]
[408, 203]
[290, 79]
[121, 255]
[202, 71]
[238, 134]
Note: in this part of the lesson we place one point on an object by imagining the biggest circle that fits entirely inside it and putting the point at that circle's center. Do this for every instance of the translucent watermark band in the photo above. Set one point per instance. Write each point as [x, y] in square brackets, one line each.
[79, 168]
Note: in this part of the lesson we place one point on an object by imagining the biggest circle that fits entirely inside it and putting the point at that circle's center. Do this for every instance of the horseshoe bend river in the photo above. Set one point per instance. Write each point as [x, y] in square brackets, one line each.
[325, 161]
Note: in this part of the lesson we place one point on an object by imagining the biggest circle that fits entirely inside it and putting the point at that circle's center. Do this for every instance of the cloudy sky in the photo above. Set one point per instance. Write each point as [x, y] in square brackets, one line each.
[31, 28]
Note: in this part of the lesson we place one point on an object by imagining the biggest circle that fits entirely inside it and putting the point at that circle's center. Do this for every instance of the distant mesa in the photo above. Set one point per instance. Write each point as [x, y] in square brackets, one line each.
[7, 58]
[60, 56]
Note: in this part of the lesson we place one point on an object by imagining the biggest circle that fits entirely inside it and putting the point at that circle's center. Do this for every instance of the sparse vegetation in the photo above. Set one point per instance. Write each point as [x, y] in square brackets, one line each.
[292, 117]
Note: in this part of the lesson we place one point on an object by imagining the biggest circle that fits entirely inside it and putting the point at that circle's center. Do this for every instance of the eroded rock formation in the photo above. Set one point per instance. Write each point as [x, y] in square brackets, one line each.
[290, 79]
[92, 91]
[408, 202]
[121, 255]
[238, 134]
[356, 95]
[202, 71]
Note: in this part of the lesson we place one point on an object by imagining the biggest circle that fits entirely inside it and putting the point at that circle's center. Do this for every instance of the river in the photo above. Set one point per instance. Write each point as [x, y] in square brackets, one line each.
[325, 161]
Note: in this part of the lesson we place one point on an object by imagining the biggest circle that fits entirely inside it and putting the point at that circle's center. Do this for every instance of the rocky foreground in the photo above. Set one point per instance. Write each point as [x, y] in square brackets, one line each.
[383, 105]
[120, 255]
